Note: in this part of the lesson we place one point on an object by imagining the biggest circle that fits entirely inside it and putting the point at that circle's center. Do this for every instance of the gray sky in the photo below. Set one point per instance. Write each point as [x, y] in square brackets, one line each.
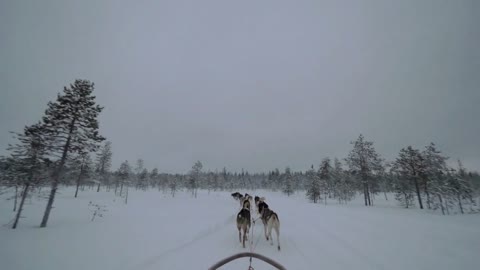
[251, 84]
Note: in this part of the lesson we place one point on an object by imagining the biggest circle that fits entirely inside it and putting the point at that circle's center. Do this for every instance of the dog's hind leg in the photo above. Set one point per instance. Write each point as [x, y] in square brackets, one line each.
[244, 235]
[277, 230]
[269, 232]
[239, 235]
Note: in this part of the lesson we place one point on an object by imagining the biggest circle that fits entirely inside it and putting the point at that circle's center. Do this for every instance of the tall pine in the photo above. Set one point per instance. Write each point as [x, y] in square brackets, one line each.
[288, 182]
[410, 165]
[325, 174]
[364, 162]
[71, 125]
[313, 185]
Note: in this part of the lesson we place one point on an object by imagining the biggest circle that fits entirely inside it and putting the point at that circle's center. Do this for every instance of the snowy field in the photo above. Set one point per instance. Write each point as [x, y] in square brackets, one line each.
[155, 231]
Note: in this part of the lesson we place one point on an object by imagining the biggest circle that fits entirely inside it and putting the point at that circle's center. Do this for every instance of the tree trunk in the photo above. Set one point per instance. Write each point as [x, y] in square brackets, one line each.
[365, 193]
[418, 192]
[447, 208]
[76, 190]
[79, 180]
[126, 196]
[16, 196]
[98, 188]
[121, 189]
[406, 200]
[56, 177]
[428, 196]
[20, 208]
[441, 203]
[385, 193]
[460, 203]
[368, 195]
[51, 198]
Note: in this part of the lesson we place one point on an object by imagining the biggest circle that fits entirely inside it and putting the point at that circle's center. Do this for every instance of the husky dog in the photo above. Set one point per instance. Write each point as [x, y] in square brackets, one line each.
[270, 221]
[236, 195]
[243, 223]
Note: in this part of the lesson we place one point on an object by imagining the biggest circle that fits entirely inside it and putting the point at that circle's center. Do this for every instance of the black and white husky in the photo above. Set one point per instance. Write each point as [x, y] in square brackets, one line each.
[243, 222]
[270, 221]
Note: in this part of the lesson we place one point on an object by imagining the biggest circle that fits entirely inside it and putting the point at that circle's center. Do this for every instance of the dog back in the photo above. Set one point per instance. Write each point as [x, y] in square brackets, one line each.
[261, 206]
[243, 217]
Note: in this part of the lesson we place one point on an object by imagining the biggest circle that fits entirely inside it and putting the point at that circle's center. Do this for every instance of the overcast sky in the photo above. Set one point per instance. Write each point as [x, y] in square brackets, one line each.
[251, 84]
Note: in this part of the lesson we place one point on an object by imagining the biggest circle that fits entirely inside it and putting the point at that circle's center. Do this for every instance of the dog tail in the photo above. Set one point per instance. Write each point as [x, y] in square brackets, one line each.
[275, 219]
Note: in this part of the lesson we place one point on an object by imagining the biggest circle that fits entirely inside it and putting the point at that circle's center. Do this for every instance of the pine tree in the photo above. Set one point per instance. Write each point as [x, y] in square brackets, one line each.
[288, 182]
[143, 179]
[26, 164]
[410, 165]
[403, 191]
[195, 177]
[173, 184]
[104, 163]
[313, 187]
[435, 165]
[71, 125]
[325, 174]
[364, 161]
[124, 173]
[81, 169]
[154, 177]
[138, 170]
[343, 185]
[460, 187]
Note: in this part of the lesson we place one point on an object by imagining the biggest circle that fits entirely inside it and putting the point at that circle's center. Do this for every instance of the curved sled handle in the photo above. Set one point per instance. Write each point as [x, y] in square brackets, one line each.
[247, 254]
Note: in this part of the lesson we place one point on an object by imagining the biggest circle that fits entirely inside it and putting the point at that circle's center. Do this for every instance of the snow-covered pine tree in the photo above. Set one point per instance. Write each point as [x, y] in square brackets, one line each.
[325, 174]
[461, 188]
[440, 192]
[225, 178]
[288, 182]
[435, 165]
[138, 170]
[364, 161]
[173, 184]
[313, 186]
[81, 168]
[103, 165]
[410, 165]
[143, 179]
[404, 191]
[344, 189]
[26, 163]
[71, 125]
[124, 173]
[195, 177]
[154, 177]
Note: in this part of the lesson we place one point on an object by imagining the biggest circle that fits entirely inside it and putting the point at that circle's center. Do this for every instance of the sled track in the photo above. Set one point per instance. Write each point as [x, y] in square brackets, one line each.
[202, 235]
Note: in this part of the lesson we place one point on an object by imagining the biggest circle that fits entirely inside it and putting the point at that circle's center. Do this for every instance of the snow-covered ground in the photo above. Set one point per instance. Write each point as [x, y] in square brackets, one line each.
[155, 231]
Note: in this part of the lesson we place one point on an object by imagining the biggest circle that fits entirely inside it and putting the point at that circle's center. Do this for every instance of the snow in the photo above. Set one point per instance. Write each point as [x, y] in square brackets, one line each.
[156, 231]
